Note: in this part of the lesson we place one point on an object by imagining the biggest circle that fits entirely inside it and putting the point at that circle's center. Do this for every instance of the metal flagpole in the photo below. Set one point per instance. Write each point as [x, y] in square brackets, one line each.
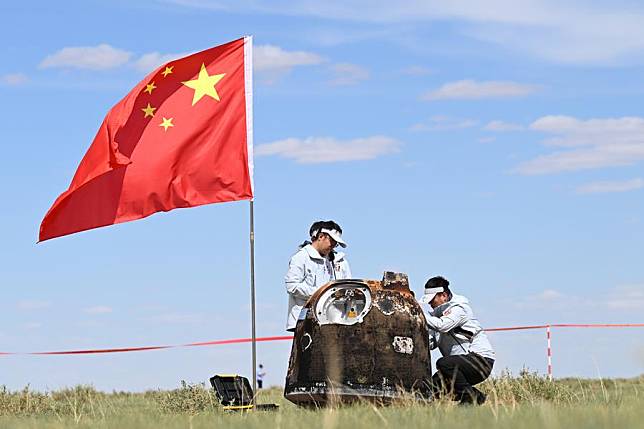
[252, 296]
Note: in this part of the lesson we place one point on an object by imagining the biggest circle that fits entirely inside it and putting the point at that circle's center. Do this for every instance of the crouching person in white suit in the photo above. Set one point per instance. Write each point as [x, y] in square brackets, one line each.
[468, 356]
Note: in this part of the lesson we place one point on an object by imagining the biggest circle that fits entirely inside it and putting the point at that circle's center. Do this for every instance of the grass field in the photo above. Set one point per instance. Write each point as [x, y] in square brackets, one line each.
[526, 401]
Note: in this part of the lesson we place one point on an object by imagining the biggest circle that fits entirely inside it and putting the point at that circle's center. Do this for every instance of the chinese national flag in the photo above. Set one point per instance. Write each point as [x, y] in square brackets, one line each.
[181, 138]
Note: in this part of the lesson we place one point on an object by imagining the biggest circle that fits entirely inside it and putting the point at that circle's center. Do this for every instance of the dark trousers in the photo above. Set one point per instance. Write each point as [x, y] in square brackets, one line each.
[259, 383]
[458, 374]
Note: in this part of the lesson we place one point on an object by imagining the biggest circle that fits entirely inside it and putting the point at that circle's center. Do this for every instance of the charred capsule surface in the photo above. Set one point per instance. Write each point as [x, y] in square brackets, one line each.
[359, 339]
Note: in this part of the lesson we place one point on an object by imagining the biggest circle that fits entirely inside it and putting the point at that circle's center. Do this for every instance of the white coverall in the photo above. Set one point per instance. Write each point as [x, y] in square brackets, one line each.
[457, 313]
[307, 271]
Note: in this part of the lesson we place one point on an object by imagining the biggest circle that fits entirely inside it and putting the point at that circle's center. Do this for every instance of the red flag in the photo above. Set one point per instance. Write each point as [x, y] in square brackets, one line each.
[181, 138]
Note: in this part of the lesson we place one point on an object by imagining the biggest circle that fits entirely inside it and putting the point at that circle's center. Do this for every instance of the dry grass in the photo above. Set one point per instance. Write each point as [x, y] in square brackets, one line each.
[527, 401]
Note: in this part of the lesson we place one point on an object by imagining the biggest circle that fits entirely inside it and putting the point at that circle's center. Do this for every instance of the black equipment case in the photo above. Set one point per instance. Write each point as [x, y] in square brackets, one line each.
[234, 393]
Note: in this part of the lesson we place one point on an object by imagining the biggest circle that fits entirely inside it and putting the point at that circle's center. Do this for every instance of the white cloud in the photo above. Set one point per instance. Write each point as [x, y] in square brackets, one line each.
[442, 123]
[587, 144]
[266, 59]
[419, 127]
[100, 309]
[598, 157]
[150, 61]
[545, 298]
[99, 57]
[613, 186]
[625, 298]
[554, 300]
[13, 79]
[176, 318]
[502, 126]
[488, 139]
[417, 71]
[548, 295]
[313, 150]
[348, 74]
[470, 89]
[563, 35]
[32, 325]
[33, 305]
[272, 58]
[342, 34]
[629, 297]
[576, 132]
[564, 32]
[270, 61]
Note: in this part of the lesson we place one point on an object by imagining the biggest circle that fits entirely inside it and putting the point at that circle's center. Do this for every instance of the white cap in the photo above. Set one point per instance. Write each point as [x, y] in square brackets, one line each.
[430, 293]
[334, 234]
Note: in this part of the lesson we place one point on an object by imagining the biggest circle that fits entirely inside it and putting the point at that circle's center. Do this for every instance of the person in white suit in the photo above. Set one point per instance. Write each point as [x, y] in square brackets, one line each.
[315, 264]
[468, 356]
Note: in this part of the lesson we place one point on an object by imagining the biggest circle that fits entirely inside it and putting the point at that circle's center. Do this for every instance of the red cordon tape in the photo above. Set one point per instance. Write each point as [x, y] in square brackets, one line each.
[591, 325]
[570, 325]
[289, 337]
[147, 348]
[516, 328]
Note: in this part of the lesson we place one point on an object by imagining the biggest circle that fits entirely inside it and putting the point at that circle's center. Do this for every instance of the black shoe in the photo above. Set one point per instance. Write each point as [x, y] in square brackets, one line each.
[472, 396]
[467, 397]
[480, 397]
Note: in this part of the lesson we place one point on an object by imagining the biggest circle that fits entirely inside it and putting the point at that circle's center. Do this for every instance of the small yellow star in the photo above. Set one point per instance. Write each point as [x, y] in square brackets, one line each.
[167, 123]
[204, 84]
[149, 110]
[149, 88]
[167, 71]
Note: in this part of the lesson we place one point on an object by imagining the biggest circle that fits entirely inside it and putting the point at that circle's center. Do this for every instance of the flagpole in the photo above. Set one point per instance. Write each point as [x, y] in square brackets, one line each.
[252, 297]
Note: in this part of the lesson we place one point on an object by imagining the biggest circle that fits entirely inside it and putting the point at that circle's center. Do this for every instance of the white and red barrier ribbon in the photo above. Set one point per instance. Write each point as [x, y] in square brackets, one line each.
[549, 327]
[147, 348]
[290, 337]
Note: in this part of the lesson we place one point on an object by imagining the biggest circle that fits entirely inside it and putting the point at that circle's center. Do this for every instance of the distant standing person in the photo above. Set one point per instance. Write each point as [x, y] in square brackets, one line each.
[468, 356]
[314, 265]
[260, 376]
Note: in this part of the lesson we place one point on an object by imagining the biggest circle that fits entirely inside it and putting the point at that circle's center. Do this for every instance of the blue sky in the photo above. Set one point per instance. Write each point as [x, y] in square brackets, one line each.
[499, 145]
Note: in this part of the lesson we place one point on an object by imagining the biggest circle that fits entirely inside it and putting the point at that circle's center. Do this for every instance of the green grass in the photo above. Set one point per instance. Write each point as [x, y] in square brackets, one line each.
[526, 401]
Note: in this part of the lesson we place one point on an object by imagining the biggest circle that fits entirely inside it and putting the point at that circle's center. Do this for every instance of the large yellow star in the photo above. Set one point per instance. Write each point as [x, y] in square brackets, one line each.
[149, 110]
[149, 88]
[204, 84]
[167, 71]
[167, 123]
